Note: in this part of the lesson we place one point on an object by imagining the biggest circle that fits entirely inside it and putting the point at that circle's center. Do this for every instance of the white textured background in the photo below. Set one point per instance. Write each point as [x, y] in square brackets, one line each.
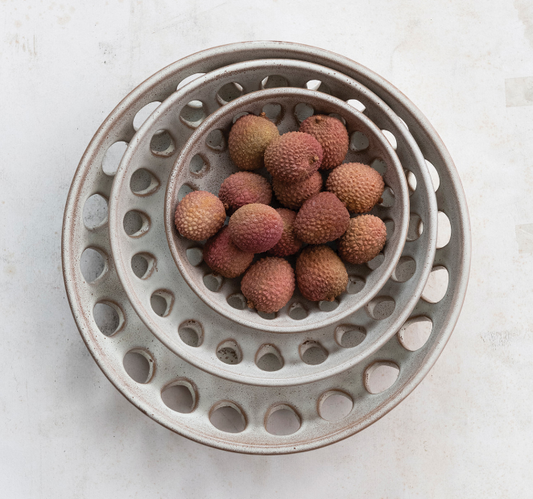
[465, 432]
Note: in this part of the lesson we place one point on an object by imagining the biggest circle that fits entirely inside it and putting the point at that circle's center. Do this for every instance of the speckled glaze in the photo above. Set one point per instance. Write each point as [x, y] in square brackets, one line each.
[256, 402]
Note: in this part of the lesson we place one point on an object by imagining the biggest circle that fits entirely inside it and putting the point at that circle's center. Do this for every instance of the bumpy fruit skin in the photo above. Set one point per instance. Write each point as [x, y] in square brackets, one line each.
[357, 185]
[248, 139]
[293, 195]
[363, 240]
[332, 135]
[244, 188]
[199, 215]
[224, 258]
[268, 284]
[289, 244]
[321, 219]
[293, 157]
[255, 227]
[320, 273]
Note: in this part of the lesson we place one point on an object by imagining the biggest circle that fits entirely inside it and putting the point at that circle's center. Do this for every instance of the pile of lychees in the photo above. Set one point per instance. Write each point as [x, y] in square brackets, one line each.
[311, 217]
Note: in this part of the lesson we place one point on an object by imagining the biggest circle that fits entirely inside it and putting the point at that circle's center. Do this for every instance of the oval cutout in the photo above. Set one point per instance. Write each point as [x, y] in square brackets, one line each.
[142, 265]
[405, 269]
[113, 157]
[136, 223]
[93, 264]
[180, 396]
[191, 333]
[95, 211]
[139, 365]
[109, 317]
[381, 307]
[313, 353]
[162, 302]
[229, 92]
[436, 285]
[380, 376]
[334, 405]
[268, 358]
[144, 113]
[213, 282]
[444, 230]
[143, 182]
[282, 420]
[302, 111]
[413, 335]
[229, 352]
[349, 335]
[228, 417]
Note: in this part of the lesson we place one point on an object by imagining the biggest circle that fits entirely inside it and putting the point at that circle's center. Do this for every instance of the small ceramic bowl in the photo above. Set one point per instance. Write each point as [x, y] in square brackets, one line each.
[204, 164]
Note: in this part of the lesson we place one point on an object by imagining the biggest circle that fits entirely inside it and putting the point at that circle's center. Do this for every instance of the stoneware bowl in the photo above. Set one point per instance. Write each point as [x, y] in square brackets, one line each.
[204, 163]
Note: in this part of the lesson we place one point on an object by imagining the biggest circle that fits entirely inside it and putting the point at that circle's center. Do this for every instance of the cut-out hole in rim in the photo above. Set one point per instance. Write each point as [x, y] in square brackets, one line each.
[162, 144]
[181, 396]
[195, 256]
[318, 86]
[379, 165]
[142, 265]
[95, 211]
[109, 317]
[282, 420]
[355, 284]
[298, 312]
[113, 157]
[191, 333]
[144, 113]
[390, 138]
[162, 302]
[313, 353]
[274, 112]
[414, 334]
[228, 417]
[184, 190]
[139, 364]
[328, 306]
[436, 285]
[416, 227]
[381, 307]
[435, 178]
[229, 352]
[136, 223]
[143, 182]
[411, 181]
[349, 335]
[357, 104]
[93, 264]
[334, 405]
[229, 92]
[444, 230]
[237, 301]
[380, 376]
[405, 269]
[198, 166]
[213, 282]
[359, 141]
[274, 81]
[302, 111]
[193, 114]
[216, 141]
[376, 261]
[268, 358]
[387, 198]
